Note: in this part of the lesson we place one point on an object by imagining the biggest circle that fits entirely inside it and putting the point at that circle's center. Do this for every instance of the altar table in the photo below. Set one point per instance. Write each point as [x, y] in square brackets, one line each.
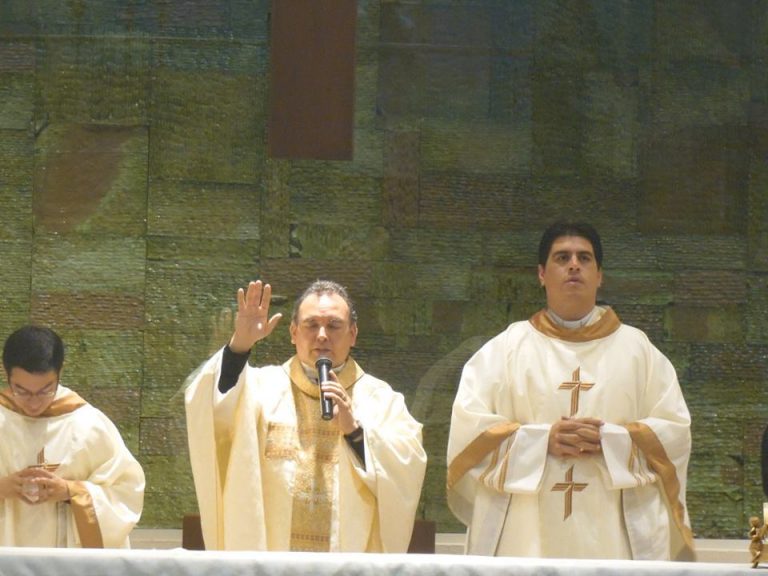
[180, 562]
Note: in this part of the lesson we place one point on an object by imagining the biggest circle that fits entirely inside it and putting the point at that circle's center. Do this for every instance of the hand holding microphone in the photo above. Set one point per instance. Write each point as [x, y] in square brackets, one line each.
[323, 366]
[334, 398]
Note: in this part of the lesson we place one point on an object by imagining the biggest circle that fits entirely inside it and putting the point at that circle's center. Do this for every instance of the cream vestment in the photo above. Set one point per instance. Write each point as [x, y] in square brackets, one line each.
[516, 499]
[270, 474]
[84, 447]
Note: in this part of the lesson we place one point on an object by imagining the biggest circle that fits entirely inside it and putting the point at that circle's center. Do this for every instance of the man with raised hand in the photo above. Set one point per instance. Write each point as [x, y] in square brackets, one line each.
[271, 473]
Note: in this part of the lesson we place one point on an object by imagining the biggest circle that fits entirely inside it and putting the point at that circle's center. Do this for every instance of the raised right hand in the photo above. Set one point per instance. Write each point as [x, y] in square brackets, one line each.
[252, 322]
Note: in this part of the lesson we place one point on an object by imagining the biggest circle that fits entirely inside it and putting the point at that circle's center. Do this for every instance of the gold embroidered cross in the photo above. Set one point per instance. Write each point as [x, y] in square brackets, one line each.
[569, 487]
[575, 386]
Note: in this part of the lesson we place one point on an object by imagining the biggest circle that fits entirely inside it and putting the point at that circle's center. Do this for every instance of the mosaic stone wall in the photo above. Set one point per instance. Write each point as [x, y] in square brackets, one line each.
[137, 197]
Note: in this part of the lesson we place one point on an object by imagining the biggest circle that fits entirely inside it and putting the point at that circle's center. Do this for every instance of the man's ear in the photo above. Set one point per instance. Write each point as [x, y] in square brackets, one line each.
[541, 275]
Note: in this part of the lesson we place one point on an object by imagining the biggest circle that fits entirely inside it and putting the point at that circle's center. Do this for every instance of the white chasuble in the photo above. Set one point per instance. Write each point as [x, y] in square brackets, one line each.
[516, 499]
[270, 474]
[81, 445]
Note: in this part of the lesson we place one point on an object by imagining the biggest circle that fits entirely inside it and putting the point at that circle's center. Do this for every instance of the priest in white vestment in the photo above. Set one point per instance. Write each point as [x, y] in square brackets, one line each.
[569, 433]
[270, 472]
[66, 477]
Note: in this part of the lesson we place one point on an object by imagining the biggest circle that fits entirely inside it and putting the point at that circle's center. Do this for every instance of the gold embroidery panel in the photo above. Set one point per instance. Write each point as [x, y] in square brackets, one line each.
[314, 447]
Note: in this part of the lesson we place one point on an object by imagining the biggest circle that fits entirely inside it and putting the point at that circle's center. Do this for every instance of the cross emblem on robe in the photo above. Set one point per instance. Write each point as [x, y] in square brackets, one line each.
[569, 487]
[575, 386]
[315, 497]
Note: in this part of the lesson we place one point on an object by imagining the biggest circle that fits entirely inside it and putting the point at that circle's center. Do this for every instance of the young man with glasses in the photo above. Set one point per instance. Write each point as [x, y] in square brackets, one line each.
[66, 477]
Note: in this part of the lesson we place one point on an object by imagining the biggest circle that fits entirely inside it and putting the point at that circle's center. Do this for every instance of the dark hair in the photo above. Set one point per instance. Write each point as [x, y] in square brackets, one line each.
[320, 287]
[35, 349]
[564, 228]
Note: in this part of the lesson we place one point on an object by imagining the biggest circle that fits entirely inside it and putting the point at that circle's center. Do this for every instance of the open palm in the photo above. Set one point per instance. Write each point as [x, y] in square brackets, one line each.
[252, 321]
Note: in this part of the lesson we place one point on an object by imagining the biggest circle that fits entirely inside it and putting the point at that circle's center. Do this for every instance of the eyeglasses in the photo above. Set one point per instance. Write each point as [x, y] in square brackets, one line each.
[26, 394]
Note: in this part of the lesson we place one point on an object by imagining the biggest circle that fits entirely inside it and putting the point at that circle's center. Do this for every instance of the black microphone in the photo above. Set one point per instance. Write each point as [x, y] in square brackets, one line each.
[323, 366]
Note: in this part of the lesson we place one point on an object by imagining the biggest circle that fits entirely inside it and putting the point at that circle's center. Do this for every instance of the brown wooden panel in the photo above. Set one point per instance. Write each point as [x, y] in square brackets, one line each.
[423, 537]
[311, 111]
[192, 532]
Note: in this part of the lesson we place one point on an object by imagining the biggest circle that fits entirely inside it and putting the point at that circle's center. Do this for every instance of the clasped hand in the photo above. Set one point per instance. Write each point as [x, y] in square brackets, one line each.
[34, 485]
[575, 437]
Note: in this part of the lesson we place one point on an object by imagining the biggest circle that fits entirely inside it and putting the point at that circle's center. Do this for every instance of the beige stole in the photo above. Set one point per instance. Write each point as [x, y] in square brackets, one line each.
[314, 447]
[63, 404]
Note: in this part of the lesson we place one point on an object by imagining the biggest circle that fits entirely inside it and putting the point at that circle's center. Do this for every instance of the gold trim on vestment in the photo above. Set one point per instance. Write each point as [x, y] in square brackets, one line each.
[478, 449]
[657, 458]
[84, 514]
[607, 324]
[350, 374]
[69, 402]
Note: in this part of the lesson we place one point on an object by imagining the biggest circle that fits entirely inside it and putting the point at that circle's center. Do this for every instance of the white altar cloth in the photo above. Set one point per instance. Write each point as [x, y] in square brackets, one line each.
[180, 562]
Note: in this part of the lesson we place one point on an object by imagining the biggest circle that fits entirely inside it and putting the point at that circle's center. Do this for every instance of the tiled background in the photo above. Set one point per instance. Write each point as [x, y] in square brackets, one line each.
[136, 197]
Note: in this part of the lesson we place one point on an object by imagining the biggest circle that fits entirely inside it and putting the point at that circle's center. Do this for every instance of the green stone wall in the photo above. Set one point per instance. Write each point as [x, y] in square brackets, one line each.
[137, 197]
